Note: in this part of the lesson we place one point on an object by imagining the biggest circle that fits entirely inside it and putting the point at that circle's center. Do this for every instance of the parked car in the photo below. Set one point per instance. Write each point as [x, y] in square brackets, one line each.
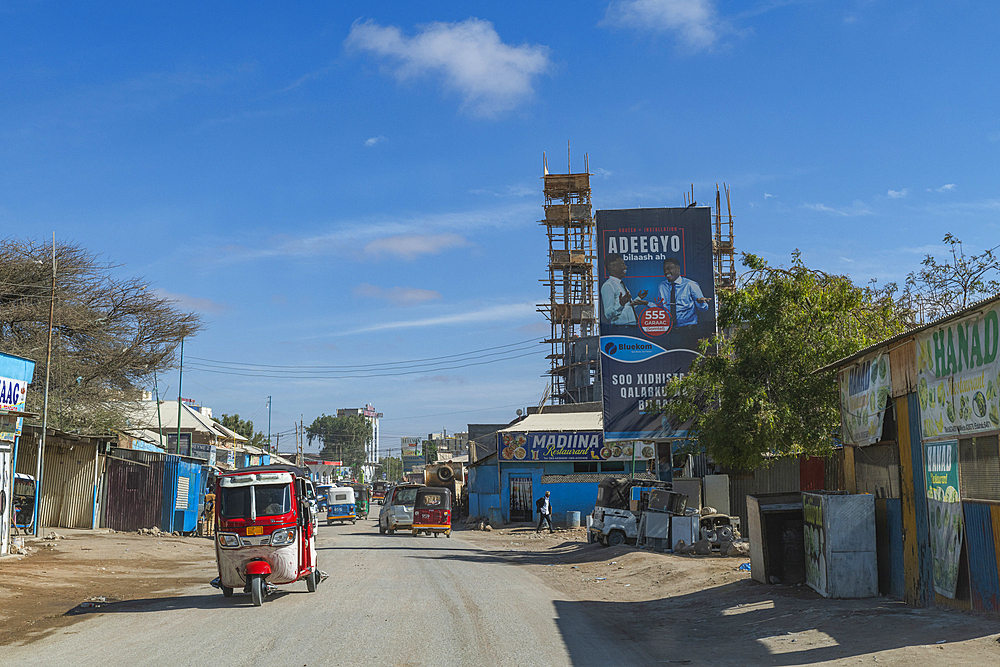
[397, 509]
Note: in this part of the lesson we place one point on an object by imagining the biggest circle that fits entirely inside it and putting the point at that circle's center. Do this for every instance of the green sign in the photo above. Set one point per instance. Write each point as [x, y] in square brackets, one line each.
[959, 385]
[944, 510]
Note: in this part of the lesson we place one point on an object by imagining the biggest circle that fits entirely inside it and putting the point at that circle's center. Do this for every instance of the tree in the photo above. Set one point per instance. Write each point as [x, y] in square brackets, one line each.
[344, 438]
[944, 288]
[392, 466]
[430, 451]
[110, 334]
[760, 396]
[245, 428]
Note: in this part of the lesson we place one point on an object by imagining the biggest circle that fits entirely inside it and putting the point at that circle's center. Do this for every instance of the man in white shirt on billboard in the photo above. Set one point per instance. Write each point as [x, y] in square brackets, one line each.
[616, 301]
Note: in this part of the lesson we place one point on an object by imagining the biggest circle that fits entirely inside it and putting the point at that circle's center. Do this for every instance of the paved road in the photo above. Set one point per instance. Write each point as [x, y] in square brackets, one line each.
[390, 600]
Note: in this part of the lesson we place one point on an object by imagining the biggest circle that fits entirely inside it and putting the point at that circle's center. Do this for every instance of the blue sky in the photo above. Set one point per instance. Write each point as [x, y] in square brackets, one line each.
[352, 183]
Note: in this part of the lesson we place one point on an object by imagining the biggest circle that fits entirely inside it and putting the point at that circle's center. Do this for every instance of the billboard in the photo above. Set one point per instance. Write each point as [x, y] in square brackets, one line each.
[411, 446]
[568, 446]
[657, 303]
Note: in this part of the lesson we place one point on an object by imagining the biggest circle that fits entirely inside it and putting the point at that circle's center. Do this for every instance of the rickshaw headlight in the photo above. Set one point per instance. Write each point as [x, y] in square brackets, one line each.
[229, 540]
[282, 536]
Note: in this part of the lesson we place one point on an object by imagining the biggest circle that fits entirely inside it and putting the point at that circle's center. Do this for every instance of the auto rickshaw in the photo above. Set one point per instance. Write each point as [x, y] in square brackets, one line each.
[361, 496]
[340, 505]
[266, 531]
[432, 511]
[378, 491]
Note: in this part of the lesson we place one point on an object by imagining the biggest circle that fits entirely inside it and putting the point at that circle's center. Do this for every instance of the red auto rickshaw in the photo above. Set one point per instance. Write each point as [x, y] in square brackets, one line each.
[265, 531]
[432, 511]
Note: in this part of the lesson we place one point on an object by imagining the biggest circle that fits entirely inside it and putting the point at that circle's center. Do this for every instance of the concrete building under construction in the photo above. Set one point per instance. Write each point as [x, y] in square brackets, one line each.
[574, 342]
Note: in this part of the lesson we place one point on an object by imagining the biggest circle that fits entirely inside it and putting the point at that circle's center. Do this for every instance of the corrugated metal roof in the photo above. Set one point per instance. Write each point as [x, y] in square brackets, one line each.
[565, 421]
[909, 332]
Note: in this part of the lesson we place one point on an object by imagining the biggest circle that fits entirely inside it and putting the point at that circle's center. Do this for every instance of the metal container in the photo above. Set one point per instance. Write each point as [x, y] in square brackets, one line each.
[573, 519]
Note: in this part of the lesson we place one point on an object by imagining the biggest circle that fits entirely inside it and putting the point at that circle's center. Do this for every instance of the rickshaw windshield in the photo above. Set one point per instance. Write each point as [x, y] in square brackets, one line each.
[405, 496]
[270, 500]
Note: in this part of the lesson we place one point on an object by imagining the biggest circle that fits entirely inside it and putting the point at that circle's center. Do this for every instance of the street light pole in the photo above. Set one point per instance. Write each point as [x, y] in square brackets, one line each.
[269, 424]
[180, 383]
[39, 468]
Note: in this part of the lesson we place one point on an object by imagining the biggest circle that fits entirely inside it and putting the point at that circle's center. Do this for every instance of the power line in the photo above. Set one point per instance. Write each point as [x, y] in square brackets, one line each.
[287, 376]
[244, 365]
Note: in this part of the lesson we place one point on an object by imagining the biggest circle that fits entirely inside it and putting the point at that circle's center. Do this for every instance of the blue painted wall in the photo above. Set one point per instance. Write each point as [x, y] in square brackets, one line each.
[16, 368]
[983, 561]
[571, 497]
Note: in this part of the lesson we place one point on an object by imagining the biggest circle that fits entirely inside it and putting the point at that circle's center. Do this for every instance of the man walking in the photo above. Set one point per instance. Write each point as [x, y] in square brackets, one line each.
[544, 513]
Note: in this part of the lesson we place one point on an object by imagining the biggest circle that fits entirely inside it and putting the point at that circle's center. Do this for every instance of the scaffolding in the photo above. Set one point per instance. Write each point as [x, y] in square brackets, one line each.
[574, 344]
[723, 247]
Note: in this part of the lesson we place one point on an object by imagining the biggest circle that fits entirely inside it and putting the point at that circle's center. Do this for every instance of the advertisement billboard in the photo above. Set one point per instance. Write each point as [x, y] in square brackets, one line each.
[959, 371]
[411, 446]
[657, 303]
[568, 446]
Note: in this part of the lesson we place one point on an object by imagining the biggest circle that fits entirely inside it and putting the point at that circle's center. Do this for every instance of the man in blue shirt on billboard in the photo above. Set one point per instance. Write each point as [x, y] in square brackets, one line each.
[681, 296]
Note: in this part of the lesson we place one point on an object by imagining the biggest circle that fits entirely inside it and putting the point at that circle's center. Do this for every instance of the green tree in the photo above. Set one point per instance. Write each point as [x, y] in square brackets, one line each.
[392, 467]
[245, 428]
[759, 396]
[945, 287]
[344, 438]
[110, 334]
[430, 451]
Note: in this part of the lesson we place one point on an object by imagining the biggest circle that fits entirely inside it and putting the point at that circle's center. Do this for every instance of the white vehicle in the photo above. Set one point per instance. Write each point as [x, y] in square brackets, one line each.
[613, 520]
[397, 509]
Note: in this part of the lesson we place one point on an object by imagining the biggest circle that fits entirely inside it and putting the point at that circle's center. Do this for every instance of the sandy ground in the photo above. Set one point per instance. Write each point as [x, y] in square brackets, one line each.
[691, 610]
[703, 610]
[51, 586]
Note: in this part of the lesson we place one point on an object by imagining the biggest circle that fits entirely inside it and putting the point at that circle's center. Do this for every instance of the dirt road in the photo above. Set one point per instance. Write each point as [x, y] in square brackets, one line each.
[504, 597]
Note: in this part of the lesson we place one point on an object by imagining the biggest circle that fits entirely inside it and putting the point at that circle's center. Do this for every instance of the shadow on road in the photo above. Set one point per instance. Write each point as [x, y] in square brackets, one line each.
[170, 603]
[748, 623]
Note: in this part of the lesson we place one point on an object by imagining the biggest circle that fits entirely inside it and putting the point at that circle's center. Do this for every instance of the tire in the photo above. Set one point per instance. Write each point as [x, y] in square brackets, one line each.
[312, 581]
[329, 523]
[435, 534]
[354, 522]
[391, 531]
[257, 590]
[448, 534]
[227, 591]
[381, 529]
[616, 538]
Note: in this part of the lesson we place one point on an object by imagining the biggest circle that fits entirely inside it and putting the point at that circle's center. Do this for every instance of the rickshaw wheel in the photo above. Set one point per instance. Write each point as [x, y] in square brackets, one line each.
[257, 590]
[381, 529]
[227, 591]
[312, 580]
[448, 534]
[435, 534]
[354, 522]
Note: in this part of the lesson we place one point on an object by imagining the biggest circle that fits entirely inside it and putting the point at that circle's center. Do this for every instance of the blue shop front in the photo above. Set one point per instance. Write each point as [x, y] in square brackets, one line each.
[565, 454]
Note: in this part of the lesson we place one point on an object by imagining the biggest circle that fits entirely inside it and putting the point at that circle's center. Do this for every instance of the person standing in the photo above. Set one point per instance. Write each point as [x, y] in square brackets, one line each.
[617, 303]
[544, 508]
[680, 296]
[209, 515]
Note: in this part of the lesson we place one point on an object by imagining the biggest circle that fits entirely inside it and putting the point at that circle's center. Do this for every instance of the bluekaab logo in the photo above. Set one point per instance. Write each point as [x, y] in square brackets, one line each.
[628, 349]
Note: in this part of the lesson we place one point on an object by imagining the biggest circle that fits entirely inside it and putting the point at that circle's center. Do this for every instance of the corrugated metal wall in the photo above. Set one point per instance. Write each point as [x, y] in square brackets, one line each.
[134, 490]
[67, 499]
[982, 527]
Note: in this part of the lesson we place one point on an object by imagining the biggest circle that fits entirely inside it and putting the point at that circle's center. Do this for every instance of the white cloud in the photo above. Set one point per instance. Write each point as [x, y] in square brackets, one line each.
[946, 188]
[398, 296]
[898, 194]
[492, 77]
[695, 22]
[502, 313]
[411, 246]
[768, 196]
[192, 302]
[361, 237]
[858, 208]
[374, 141]
[602, 173]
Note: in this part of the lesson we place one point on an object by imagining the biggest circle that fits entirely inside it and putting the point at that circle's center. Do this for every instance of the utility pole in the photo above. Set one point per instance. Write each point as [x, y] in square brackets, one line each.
[180, 383]
[269, 424]
[39, 468]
